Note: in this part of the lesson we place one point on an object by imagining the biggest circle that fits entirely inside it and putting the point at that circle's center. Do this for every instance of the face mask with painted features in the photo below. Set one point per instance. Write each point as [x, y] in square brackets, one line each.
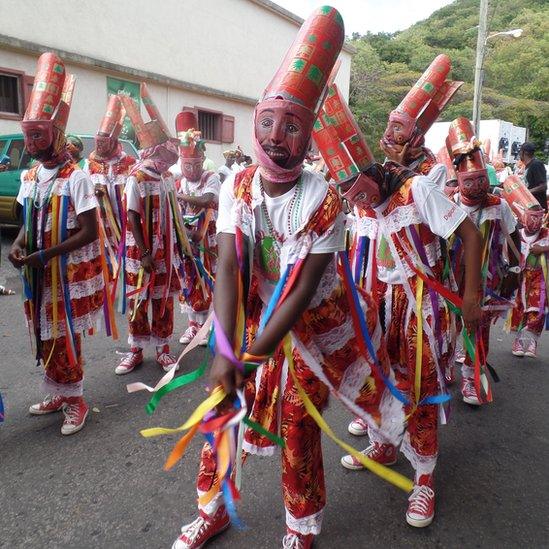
[39, 138]
[400, 128]
[105, 146]
[366, 191]
[161, 157]
[282, 135]
[192, 168]
[533, 220]
[473, 186]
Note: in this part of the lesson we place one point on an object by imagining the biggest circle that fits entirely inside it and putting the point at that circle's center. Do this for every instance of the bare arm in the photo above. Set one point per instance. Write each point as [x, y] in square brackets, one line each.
[472, 251]
[208, 200]
[17, 251]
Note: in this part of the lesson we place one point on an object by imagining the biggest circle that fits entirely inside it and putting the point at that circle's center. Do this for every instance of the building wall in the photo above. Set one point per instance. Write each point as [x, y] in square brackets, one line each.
[232, 47]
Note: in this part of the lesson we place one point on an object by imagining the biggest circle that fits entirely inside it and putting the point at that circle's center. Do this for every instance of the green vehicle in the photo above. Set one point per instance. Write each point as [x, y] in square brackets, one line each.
[13, 147]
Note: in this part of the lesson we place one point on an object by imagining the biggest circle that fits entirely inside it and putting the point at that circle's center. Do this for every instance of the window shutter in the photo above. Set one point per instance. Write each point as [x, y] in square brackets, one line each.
[227, 129]
[28, 82]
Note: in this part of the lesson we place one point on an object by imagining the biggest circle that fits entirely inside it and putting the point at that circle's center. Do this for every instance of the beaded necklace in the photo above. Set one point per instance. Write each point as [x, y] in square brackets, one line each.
[45, 200]
[293, 213]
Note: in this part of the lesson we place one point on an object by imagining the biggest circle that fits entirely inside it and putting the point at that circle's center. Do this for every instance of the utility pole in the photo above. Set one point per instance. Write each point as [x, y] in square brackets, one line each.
[479, 72]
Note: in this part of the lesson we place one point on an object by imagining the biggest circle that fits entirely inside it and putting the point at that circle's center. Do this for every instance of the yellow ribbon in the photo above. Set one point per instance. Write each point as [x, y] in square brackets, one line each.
[400, 481]
[217, 395]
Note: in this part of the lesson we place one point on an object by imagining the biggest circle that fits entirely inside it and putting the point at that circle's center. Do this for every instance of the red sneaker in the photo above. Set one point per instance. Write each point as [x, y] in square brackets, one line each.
[164, 359]
[358, 427]
[421, 509]
[386, 454]
[198, 532]
[49, 405]
[131, 360]
[295, 540]
[469, 391]
[76, 412]
[517, 349]
[531, 350]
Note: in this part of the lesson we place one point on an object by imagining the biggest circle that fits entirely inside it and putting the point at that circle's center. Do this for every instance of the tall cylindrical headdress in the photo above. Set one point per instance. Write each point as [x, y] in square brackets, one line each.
[51, 98]
[149, 134]
[425, 101]
[186, 127]
[519, 198]
[464, 147]
[112, 122]
[339, 139]
[304, 71]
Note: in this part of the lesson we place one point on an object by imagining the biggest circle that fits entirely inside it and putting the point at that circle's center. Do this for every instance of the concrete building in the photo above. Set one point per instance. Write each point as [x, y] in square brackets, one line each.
[212, 55]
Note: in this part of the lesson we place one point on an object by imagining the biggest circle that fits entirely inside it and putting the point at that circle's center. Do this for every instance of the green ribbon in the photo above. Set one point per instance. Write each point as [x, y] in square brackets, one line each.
[262, 431]
[174, 384]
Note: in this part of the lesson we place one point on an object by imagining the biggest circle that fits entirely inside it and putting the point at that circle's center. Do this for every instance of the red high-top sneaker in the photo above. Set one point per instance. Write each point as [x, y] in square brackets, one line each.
[198, 532]
[469, 391]
[531, 350]
[517, 349]
[386, 454]
[165, 359]
[295, 540]
[49, 405]
[131, 360]
[358, 427]
[421, 509]
[76, 412]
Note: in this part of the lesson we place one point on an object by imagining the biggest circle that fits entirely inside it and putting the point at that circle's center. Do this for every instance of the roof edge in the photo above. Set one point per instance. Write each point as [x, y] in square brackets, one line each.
[93, 63]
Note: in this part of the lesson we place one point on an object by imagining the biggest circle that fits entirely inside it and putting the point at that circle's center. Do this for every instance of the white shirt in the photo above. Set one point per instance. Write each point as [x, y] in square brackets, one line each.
[480, 215]
[279, 208]
[433, 208]
[79, 187]
[439, 174]
[225, 170]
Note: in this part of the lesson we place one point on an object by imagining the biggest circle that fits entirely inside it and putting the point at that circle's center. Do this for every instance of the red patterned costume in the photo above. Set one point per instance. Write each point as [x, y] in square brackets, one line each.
[497, 225]
[401, 221]
[531, 311]
[64, 295]
[276, 235]
[198, 192]
[151, 203]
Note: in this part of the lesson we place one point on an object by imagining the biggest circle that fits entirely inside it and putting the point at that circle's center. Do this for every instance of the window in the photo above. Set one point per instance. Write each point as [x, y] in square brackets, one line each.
[214, 125]
[210, 125]
[10, 93]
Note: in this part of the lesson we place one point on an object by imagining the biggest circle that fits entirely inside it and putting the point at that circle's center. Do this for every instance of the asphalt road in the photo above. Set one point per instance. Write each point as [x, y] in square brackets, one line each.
[104, 487]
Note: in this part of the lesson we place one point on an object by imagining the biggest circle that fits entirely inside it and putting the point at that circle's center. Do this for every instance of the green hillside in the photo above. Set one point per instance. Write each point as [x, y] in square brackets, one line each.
[516, 85]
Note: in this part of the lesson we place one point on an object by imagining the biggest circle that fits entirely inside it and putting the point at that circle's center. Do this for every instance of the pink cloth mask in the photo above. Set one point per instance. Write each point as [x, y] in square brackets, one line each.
[365, 192]
[281, 128]
[160, 157]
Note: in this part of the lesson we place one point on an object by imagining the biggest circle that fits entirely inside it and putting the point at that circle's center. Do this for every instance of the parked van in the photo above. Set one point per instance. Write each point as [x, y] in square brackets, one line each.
[13, 147]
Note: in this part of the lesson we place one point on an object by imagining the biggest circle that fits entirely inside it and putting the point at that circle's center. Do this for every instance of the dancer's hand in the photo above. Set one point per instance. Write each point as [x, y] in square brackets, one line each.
[17, 255]
[34, 261]
[509, 285]
[537, 249]
[147, 262]
[471, 314]
[396, 153]
[226, 374]
[99, 190]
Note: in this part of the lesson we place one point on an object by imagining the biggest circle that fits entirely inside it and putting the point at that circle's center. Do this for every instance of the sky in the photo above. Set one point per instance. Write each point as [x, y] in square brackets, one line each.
[371, 15]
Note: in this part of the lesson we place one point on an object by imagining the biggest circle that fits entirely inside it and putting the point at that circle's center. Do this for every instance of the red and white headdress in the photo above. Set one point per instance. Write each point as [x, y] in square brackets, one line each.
[425, 101]
[149, 134]
[51, 98]
[113, 120]
[191, 143]
[301, 80]
[339, 139]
